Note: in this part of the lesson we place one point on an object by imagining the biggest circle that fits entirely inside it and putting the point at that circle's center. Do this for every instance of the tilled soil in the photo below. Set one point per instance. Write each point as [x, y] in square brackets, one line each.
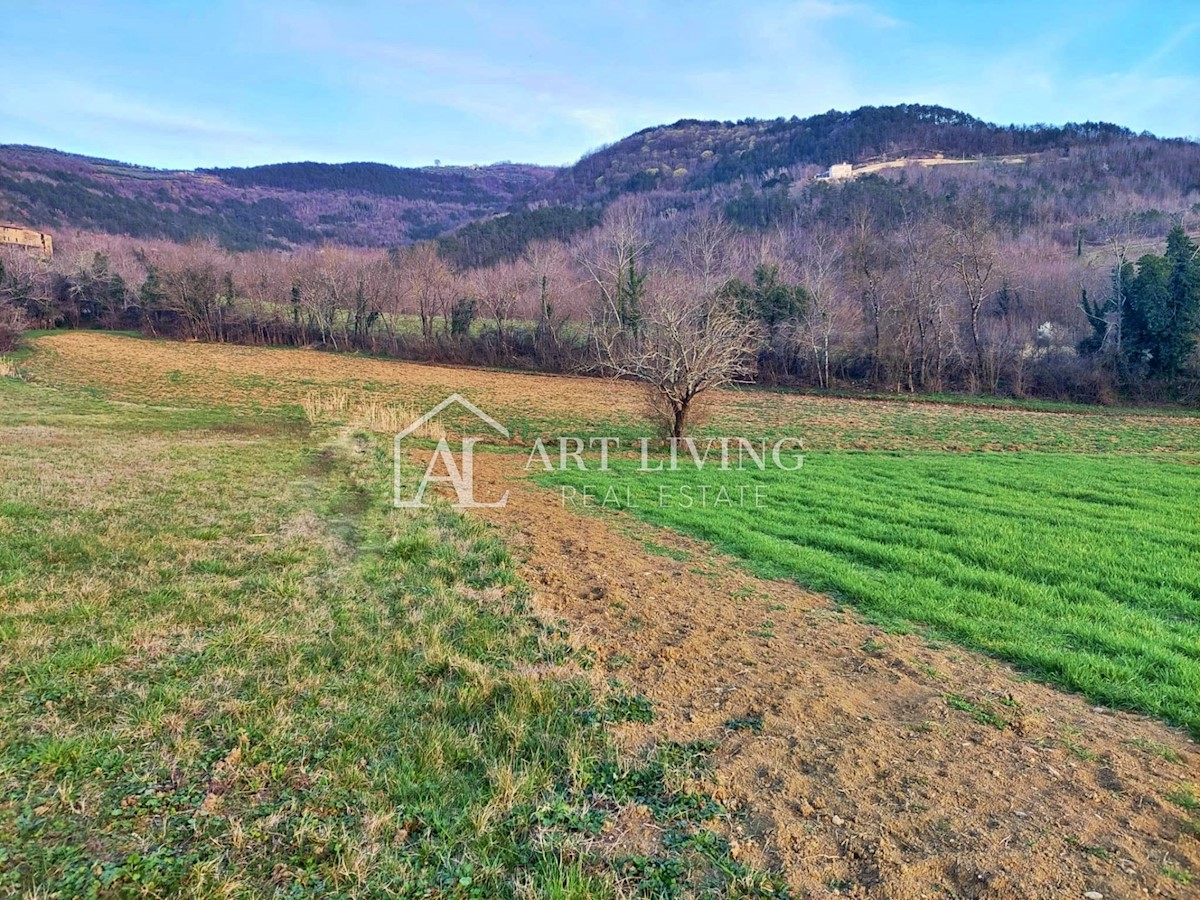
[858, 762]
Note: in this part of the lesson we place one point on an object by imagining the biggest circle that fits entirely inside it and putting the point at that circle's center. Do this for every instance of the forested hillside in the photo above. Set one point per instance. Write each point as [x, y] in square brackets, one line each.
[758, 172]
[1069, 183]
[955, 255]
[278, 206]
[691, 154]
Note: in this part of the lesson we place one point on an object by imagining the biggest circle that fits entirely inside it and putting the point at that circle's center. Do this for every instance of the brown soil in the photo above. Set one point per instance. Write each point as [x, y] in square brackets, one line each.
[864, 780]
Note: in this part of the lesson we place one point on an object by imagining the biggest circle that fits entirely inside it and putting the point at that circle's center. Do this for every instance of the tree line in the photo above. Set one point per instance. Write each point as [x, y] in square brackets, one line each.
[943, 301]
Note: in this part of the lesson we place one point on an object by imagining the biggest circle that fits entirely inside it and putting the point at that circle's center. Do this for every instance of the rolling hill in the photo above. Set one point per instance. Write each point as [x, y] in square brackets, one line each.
[275, 206]
[692, 154]
[759, 172]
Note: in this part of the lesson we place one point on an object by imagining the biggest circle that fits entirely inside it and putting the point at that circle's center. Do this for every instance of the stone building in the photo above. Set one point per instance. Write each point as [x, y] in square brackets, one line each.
[20, 236]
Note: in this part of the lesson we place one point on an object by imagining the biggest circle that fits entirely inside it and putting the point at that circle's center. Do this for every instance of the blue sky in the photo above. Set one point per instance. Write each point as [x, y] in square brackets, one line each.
[217, 82]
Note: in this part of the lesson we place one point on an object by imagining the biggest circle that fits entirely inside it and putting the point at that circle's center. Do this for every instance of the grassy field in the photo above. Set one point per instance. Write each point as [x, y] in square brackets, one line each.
[270, 382]
[1084, 570]
[231, 669]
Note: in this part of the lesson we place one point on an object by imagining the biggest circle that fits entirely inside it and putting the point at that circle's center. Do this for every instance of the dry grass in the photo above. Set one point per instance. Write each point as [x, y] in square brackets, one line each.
[233, 670]
[339, 406]
[205, 636]
[160, 372]
[9, 369]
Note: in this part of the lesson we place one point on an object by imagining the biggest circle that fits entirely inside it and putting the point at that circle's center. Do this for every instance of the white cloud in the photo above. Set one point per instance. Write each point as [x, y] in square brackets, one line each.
[62, 100]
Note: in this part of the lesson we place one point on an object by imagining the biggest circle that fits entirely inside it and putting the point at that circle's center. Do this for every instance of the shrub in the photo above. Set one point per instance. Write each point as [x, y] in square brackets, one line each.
[13, 323]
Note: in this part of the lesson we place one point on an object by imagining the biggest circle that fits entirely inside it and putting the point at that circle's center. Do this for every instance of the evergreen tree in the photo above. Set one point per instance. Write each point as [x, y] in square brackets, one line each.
[768, 298]
[1146, 323]
[1183, 286]
[1162, 315]
[151, 294]
[631, 289]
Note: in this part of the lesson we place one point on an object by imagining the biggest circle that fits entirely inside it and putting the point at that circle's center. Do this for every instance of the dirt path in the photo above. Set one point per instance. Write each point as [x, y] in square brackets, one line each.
[879, 768]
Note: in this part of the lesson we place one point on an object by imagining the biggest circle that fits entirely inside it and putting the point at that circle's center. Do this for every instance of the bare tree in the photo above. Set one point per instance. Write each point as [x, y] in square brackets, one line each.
[429, 283]
[705, 249]
[688, 342]
[191, 292]
[13, 321]
[500, 289]
[548, 270]
[374, 296]
[924, 324]
[25, 282]
[821, 275]
[972, 256]
[869, 266]
[615, 260]
[327, 282]
[1117, 239]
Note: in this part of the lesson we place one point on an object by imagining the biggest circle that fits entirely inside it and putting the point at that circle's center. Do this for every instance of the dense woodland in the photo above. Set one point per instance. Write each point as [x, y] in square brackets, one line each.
[932, 305]
[692, 154]
[1056, 262]
[265, 207]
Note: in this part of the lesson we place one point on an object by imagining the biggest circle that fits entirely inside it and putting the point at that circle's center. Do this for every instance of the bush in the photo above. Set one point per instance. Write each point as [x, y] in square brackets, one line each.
[1065, 376]
[462, 316]
[13, 323]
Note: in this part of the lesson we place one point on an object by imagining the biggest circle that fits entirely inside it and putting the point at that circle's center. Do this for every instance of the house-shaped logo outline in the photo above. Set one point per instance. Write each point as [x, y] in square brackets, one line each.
[467, 468]
[461, 401]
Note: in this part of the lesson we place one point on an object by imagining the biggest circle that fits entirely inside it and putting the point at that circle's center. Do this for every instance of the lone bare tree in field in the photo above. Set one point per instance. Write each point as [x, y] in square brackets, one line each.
[688, 341]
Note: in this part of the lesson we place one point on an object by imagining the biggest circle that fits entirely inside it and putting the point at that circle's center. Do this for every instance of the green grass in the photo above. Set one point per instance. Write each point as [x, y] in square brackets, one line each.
[1082, 569]
[1030, 404]
[1155, 748]
[1185, 797]
[984, 714]
[231, 668]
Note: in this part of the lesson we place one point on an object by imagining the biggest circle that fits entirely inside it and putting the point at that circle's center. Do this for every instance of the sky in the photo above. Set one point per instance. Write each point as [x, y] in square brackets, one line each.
[178, 84]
